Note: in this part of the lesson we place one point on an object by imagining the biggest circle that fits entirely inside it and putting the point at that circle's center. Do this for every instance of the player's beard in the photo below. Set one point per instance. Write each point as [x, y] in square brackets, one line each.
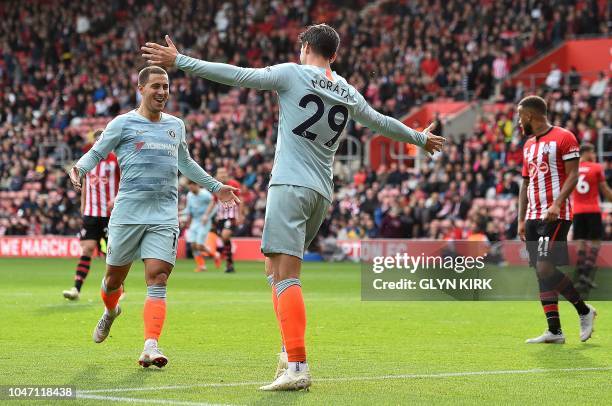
[527, 129]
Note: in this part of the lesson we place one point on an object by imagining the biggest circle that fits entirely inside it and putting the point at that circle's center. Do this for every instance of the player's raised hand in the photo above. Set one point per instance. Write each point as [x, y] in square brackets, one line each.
[160, 55]
[434, 142]
[75, 178]
[227, 196]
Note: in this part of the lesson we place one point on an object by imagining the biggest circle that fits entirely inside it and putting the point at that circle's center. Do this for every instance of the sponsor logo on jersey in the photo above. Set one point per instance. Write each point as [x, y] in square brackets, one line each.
[534, 168]
[172, 149]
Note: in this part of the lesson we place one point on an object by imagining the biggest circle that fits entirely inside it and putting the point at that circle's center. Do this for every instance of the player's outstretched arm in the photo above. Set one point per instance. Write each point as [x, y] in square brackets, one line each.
[106, 142]
[193, 171]
[396, 130]
[270, 78]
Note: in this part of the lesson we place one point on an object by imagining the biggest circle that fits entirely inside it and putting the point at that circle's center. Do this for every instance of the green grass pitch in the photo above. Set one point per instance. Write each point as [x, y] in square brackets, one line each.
[221, 338]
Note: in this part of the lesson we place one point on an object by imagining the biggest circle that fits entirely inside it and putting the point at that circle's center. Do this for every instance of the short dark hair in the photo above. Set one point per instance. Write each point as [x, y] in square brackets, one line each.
[587, 147]
[143, 75]
[323, 39]
[535, 103]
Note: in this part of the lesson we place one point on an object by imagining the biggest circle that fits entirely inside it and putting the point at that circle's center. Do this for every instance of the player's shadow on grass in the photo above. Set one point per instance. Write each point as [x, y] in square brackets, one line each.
[140, 376]
[558, 356]
[279, 398]
[87, 375]
[67, 307]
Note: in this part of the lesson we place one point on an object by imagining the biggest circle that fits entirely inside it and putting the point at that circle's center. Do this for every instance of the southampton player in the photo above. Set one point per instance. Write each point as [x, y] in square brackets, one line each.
[100, 189]
[151, 147]
[228, 217]
[587, 215]
[315, 106]
[200, 210]
[550, 173]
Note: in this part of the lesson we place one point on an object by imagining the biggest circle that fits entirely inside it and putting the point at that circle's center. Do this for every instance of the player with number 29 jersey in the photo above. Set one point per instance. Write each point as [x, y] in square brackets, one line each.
[315, 106]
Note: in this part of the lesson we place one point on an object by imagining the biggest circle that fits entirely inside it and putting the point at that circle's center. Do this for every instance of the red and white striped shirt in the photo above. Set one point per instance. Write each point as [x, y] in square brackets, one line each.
[225, 213]
[101, 186]
[544, 163]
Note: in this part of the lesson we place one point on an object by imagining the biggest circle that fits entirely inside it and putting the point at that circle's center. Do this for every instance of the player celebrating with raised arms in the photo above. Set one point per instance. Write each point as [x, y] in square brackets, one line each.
[315, 105]
[151, 147]
[550, 173]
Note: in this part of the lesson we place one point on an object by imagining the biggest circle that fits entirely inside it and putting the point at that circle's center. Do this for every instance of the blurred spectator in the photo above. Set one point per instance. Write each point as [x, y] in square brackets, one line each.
[66, 68]
[598, 88]
[553, 80]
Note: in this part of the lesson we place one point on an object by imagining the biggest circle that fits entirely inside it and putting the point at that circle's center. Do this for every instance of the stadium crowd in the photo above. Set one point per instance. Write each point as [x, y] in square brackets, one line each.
[63, 62]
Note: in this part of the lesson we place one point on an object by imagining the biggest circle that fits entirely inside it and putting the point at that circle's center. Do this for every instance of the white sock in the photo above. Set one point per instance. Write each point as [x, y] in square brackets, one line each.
[298, 366]
[150, 343]
[111, 313]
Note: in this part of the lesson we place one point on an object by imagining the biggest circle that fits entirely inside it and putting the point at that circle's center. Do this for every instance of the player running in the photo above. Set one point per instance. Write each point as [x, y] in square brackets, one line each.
[150, 146]
[101, 186]
[315, 106]
[587, 215]
[200, 210]
[228, 217]
[550, 173]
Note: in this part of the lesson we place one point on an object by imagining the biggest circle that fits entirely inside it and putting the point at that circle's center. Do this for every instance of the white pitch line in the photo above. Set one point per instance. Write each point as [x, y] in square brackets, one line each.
[357, 378]
[139, 400]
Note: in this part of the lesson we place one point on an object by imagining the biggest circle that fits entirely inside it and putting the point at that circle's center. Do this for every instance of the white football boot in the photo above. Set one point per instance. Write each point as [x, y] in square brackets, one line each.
[547, 338]
[587, 322]
[151, 355]
[291, 380]
[283, 364]
[104, 324]
[71, 294]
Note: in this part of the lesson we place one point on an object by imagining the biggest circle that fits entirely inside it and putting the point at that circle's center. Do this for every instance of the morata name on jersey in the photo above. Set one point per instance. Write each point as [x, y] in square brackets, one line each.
[324, 83]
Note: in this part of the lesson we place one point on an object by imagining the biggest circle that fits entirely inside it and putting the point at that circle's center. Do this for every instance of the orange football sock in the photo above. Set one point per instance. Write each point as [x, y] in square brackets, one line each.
[110, 299]
[292, 317]
[154, 317]
[211, 243]
[199, 259]
[275, 304]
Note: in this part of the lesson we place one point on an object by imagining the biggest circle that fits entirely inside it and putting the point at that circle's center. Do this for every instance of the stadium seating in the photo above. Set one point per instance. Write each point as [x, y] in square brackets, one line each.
[61, 82]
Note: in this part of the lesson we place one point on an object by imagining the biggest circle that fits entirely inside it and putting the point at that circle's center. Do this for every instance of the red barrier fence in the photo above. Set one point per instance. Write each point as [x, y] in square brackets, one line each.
[247, 249]
[69, 247]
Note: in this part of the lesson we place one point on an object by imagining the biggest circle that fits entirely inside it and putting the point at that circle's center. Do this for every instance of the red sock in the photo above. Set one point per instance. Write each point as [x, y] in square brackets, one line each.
[154, 316]
[292, 316]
